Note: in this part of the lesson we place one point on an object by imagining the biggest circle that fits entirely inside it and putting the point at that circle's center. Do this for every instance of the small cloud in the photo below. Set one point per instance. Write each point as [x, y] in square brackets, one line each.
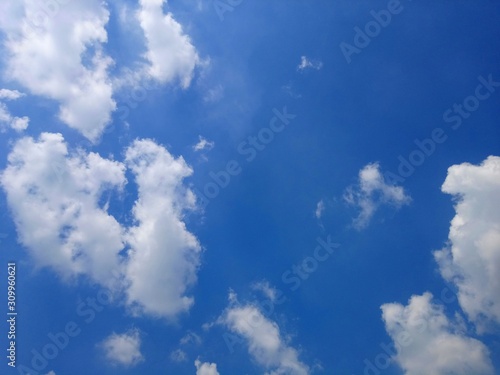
[51, 373]
[7, 120]
[20, 123]
[10, 94]
[124, 349]
[178, 355]
[371, 192]
[189, 338]
[203, 144]
[214, 95]
[205, 368]
[266, 289]
[320, 207]
[306, 63]
[289, 90]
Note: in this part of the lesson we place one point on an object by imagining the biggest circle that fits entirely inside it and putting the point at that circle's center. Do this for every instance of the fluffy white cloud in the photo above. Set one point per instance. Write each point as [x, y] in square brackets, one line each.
[472, 259]
[164, 255]
[265, 342]
[205, 368]
[170, 52]
[428, 343]
[123, 349]
[371, 192]
[55, 51]
[54, 197]
[306, 63]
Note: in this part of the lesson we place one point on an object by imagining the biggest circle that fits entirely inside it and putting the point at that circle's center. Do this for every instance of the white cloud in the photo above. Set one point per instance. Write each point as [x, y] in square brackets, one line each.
[20, 123]
[6, 118]
[306, 63]
[10, 94]
[58, 54]
[205, 368]
[170, 52]
[428, 343]
[164, 255]
[51, 373]
[320, 207]
[203, 144]
[371, 192]
[54, 197]
[265, 342]
[472, 259]
[123, 349]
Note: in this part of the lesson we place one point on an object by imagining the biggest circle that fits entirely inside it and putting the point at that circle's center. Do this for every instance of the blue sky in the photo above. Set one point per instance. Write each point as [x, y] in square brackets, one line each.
[251, 187]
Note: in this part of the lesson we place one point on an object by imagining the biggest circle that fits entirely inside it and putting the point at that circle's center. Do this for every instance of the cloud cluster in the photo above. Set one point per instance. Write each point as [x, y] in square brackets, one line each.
[56, 198]
[61, 57]
[472, 259]
[428, 342]
[58, 51]
[123, 349]
[371, 192]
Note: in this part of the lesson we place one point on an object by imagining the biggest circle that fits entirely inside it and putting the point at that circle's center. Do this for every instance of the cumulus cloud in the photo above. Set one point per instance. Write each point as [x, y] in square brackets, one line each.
[427, 342]
[266, 344]
[371, 192]
[203, 144]
[170, 52]
[123, 349]
[57, 53]
[164, 255]
[56, 197]
[472, 259]
[205, 368]
[306, 63]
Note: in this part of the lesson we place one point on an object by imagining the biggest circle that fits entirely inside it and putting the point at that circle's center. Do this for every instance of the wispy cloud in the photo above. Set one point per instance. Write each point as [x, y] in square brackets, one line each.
[306, 63]
[320, 207]
[203, 144]
[371, 192]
